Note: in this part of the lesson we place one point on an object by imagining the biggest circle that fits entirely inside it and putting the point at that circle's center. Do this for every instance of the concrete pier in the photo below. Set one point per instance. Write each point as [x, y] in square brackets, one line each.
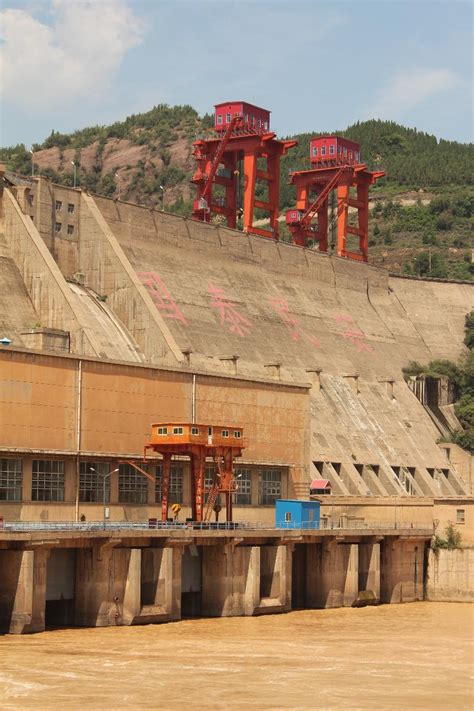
[102, 578]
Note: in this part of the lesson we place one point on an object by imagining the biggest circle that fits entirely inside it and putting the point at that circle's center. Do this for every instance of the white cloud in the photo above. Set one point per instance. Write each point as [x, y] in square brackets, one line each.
[76, 56]
[407, 90]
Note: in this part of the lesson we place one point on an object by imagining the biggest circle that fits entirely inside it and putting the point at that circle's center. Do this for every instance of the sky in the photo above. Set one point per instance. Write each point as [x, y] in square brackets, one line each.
[318, 65]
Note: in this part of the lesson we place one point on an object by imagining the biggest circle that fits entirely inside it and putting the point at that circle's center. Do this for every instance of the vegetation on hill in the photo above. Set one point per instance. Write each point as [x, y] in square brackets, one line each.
[461, 376]
[147, 158]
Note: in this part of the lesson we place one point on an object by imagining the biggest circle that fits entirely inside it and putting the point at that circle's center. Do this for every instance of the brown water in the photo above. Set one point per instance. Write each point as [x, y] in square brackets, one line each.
[414, 656]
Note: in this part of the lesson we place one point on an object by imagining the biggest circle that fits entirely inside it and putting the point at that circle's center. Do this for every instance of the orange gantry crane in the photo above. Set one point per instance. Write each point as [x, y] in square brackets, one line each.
[337, 167]
[243, 157]
[200, 443]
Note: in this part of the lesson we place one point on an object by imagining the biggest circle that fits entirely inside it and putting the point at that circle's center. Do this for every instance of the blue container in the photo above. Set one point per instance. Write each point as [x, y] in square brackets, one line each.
[291, 513]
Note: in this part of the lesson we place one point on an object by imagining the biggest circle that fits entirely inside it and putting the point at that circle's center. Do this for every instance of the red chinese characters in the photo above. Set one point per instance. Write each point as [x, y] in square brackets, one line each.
[355, 336]
[161, 297]
[282, 308]
[227, 310]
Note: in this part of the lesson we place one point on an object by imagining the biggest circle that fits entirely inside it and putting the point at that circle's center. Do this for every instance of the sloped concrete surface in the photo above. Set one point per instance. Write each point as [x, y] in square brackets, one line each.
[17, 312]
[109, 336]
[222, 293]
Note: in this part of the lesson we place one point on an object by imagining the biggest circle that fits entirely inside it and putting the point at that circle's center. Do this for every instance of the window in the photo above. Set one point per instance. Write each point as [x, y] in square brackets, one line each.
[177, 430]
[219, 119]
[237, 434]
[194, 430]
[315, 150]
[133, 486]
[70, 208]
[287, 516]
[176, 485]
[243, 495]
[91, 484]
[345, 151]
[460, 515]
[209, 431]
[11, 479]
[225, 433]
[357, 156]
[70, 229]
[209, 474]
[350, 155]
[175, 492]
[47, 482]
[58, 205]
[339, 150]
[323, 150]
[228, 118]
[265, 125]
[162, 431]
[259, 123]
[57, 226]
[269, 486]
[332, 150]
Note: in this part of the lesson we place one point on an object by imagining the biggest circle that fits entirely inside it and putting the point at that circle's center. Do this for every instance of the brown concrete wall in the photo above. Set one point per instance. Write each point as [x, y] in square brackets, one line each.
[42, 277]
[276, 419]
[59, 406]
[451, 575]
[38, 401]
[107, 271]
[448, 513]
[120, 402]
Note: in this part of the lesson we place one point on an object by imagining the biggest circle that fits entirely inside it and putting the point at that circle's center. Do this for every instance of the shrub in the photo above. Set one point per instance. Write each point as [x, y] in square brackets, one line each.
[444, 221]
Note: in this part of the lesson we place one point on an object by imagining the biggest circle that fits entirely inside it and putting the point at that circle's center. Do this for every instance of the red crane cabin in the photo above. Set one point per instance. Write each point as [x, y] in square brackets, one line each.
[334, 149]
[254, 118]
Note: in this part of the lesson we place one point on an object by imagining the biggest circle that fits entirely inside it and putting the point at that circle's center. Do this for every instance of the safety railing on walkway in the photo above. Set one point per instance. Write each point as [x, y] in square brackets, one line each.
[29, 526]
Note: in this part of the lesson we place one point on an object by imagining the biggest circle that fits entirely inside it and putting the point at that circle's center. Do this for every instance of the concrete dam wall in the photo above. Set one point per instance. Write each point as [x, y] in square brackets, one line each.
[222, 292]
[171, 292]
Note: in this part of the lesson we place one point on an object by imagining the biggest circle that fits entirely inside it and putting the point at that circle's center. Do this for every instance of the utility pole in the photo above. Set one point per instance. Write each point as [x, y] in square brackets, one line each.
[104, 491]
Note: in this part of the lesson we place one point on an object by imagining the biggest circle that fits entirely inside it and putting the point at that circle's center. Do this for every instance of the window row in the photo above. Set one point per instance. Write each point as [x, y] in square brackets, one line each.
[71, 208]
[58, 227]
[163, 431]
[332, 151]
[48, 483]
[249, 120]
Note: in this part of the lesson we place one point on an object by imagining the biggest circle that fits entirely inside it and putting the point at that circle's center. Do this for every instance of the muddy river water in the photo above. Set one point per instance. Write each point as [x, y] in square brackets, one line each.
[413, 656]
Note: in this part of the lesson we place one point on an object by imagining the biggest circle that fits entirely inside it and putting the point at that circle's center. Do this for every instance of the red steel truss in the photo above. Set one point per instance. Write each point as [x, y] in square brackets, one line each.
[313, 189]
[247, 156]
[199, 443]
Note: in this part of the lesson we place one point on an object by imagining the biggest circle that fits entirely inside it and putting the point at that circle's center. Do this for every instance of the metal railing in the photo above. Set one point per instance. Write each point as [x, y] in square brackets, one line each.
[110, 526]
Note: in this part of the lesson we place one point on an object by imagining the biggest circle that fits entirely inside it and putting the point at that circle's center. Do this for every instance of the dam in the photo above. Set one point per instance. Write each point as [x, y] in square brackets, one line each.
[129, 576]
[115, 316]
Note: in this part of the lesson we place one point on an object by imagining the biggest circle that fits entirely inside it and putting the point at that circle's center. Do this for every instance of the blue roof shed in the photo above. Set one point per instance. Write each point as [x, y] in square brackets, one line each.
[291, 513]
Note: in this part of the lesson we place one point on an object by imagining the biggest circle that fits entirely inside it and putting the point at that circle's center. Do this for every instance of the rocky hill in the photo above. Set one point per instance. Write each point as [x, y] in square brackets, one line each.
[422, 211]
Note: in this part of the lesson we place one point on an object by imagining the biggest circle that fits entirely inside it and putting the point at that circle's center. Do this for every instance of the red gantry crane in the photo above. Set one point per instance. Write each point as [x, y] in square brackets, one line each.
[241, 157]
[200, 443]
[337, 167]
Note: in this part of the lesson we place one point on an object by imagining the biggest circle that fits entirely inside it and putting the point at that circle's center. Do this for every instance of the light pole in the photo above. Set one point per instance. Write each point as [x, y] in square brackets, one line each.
[104, 492]
[32, 163]
[162, 188]
[75, 174]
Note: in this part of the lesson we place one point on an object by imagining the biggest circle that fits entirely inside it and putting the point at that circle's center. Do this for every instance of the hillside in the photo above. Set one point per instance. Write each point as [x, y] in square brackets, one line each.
[422, 217]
